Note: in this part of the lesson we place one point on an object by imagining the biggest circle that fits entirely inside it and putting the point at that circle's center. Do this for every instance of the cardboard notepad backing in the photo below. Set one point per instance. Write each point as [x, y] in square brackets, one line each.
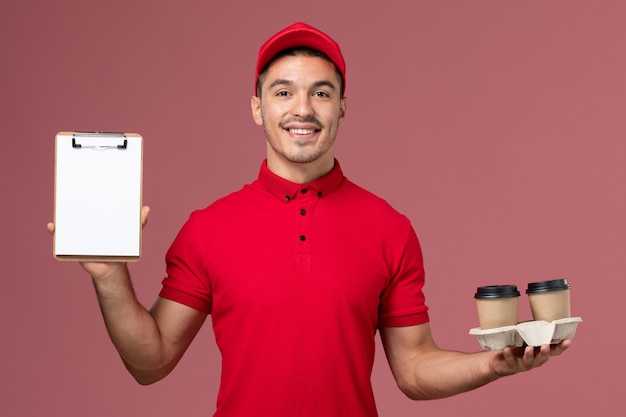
[98, 188]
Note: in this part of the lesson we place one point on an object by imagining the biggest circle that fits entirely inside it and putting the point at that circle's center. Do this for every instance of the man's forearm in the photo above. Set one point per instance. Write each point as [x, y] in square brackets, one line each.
[132, 329]
[447, 373]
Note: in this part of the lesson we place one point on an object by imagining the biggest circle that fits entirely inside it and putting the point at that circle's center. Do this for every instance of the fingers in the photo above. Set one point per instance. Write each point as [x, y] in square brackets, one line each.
[513, 358]
[560, 348]
[524, 359]
[537, 356]
[50, 228]
[529, 358]
[145, 210]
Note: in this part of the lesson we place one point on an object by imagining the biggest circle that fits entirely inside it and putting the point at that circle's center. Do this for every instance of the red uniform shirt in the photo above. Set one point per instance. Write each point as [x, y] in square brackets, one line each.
[297, 279]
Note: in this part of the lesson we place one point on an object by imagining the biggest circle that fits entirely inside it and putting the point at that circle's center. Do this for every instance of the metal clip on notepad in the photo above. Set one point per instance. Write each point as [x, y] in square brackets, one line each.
[89, 140]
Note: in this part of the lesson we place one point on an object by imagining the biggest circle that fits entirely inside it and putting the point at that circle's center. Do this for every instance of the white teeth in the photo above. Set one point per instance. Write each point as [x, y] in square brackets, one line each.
[302, 131]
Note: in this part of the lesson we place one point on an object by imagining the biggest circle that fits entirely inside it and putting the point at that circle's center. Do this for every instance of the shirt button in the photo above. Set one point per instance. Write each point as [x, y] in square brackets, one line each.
[303, 191]
[303, 238]
[287, 198]
[303, 212]
[319, 193]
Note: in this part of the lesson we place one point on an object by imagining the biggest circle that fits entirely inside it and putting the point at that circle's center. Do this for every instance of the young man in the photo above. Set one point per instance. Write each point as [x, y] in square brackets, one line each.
[298, 270]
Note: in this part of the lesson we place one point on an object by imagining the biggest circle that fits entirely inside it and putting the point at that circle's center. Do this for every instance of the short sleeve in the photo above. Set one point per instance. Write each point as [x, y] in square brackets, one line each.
[403, 302]
[187, 281]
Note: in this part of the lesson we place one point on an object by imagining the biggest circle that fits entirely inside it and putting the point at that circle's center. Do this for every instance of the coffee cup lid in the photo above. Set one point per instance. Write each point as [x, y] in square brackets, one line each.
[497, 291]
[545, 286]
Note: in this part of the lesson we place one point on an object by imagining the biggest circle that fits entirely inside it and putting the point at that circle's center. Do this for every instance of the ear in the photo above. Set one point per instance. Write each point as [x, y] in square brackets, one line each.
[342, 110]
[255, 104]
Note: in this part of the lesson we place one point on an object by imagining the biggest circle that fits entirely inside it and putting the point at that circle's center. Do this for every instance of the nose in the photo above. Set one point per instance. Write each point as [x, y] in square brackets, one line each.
[302, 106]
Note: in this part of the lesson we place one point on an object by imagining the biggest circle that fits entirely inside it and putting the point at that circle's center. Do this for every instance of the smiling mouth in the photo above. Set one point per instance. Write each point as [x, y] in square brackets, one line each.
[303, 131]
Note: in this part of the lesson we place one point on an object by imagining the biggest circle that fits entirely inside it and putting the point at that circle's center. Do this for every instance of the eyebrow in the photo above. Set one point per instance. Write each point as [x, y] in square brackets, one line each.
[321, 83]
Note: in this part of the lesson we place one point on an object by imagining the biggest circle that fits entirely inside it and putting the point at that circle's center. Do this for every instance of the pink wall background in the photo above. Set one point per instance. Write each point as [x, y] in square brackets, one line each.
[497, 127]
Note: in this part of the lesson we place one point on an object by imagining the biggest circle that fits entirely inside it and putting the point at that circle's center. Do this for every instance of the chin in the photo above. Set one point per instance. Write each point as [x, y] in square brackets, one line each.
[304, 159]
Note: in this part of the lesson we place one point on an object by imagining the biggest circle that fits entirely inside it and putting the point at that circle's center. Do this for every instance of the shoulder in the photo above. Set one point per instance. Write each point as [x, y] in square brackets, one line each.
[355, 205]
[229, 205]
[369, 202]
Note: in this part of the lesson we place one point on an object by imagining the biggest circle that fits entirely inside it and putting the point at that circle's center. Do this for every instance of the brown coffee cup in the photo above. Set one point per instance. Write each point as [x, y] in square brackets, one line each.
[497, 305]
[549, 300]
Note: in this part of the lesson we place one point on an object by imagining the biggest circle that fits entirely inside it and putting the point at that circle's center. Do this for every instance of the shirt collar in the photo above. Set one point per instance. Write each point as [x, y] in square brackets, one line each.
[286, 190]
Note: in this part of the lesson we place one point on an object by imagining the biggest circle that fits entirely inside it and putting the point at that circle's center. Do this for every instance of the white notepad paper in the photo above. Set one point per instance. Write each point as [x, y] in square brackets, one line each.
[98, 182]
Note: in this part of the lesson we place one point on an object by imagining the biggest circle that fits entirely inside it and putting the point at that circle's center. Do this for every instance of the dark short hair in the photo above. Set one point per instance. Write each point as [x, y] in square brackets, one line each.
[297, 51]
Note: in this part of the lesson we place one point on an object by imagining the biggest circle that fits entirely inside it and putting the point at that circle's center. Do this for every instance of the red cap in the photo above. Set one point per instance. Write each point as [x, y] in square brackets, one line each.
[300, 34]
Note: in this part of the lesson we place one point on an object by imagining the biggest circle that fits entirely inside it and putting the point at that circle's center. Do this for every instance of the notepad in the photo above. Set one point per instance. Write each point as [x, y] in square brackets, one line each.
[98, 185]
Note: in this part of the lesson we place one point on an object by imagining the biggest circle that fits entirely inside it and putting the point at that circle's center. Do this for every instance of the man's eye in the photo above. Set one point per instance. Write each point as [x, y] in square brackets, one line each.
[282, 94]
[320, 94]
